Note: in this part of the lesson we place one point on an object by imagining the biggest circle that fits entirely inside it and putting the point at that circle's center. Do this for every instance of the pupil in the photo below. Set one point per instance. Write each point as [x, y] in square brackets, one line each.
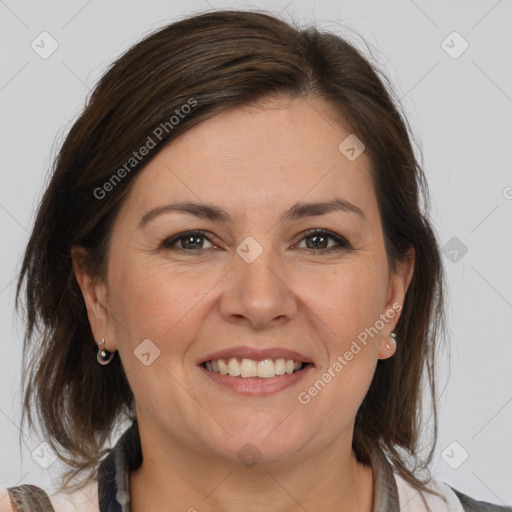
[195, 240]
[317, 240]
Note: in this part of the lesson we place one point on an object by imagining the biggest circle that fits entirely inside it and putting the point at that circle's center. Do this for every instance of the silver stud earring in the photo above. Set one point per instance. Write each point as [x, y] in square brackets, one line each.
[104, 356]
[393, 340]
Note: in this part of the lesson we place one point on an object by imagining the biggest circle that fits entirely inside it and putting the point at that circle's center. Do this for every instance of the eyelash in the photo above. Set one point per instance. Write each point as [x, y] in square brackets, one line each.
[343, 244]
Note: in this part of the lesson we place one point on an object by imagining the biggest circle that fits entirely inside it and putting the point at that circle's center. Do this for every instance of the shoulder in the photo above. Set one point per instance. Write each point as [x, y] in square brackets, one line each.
[452, 500]
[471, 505]
[5, 502]
[33, 498]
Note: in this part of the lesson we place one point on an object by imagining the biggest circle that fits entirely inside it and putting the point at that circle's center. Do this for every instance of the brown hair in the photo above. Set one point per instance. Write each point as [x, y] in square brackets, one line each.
[214, 61]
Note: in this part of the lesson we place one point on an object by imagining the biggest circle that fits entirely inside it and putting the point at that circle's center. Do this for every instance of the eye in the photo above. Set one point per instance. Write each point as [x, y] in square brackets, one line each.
[189, 241]
[317, 240]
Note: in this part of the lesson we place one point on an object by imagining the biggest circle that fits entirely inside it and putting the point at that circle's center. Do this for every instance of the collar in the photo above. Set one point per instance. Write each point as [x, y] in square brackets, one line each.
[126, 456]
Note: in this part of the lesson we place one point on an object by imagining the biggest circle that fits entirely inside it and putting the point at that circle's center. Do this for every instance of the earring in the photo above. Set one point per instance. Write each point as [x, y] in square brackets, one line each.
[393, 339]
[104, 356]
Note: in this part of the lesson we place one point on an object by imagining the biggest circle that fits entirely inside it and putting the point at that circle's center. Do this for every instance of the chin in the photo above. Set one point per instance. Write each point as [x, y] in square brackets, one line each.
[262, 442]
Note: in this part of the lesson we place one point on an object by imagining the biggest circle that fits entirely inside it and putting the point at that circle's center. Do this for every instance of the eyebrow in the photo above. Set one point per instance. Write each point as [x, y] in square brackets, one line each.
[216, 214]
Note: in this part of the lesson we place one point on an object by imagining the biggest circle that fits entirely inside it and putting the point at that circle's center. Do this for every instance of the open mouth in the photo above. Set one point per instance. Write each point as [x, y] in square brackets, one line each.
[250, 368]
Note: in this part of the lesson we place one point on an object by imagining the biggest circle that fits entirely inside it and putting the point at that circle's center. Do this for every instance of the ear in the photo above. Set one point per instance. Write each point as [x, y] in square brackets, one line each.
[94, 292]
[399, 282]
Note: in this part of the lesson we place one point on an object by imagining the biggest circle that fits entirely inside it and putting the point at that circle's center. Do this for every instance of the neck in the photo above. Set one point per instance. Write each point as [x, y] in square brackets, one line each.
[173, 478]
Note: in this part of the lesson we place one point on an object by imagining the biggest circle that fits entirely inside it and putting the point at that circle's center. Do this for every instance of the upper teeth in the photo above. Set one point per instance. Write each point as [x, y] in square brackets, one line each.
[250, 368]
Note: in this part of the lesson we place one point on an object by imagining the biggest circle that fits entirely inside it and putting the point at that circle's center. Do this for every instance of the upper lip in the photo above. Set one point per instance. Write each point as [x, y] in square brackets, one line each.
[257, 354]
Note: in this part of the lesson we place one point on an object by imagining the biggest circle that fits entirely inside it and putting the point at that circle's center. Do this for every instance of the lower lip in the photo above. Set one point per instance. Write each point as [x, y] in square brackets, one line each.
[252, 386]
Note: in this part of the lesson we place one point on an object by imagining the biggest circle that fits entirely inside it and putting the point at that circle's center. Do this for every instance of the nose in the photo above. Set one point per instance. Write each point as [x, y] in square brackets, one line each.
[257, 294]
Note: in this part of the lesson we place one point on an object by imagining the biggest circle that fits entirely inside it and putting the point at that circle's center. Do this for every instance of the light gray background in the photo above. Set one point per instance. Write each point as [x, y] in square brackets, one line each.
[460, 109]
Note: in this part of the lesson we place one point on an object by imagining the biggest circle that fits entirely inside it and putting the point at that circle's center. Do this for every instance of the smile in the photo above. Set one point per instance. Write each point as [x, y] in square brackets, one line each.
[254, 371]
[250, 368]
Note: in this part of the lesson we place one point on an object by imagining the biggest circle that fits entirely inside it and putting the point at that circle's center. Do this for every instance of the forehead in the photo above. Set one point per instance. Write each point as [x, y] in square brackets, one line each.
[274, 153]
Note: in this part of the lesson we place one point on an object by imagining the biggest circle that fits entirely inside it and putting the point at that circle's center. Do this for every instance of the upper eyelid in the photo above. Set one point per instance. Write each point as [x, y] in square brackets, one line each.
[325, 232]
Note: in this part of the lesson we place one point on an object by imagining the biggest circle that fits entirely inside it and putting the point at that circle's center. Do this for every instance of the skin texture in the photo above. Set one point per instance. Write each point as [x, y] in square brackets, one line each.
[254, 162]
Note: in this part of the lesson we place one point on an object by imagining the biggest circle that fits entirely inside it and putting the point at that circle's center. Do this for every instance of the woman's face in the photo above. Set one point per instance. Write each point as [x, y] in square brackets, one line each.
[258, 285]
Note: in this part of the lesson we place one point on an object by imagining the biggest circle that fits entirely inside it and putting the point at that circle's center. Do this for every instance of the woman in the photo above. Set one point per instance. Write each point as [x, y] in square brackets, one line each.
[233, 232]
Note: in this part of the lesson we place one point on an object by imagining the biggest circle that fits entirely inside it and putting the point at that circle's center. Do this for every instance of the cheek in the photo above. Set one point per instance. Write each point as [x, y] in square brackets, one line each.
[158, 303]
[344, 316]
[348, 301]
[358, 297]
